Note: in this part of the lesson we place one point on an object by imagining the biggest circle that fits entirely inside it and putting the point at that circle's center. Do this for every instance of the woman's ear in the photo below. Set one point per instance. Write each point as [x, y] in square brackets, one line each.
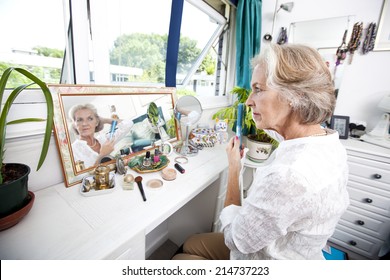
[97, 125]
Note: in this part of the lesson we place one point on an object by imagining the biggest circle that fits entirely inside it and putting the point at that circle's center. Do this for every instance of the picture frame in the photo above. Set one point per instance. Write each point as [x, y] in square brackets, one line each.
[341, 125]
[382, 41]
[131, 103]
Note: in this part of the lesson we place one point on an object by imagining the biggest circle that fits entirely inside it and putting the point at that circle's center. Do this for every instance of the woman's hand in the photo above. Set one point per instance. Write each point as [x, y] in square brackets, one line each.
[234, 153]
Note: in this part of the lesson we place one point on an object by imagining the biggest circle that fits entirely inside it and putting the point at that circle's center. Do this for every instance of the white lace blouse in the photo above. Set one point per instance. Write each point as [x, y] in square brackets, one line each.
[293, 204]
[81, 151]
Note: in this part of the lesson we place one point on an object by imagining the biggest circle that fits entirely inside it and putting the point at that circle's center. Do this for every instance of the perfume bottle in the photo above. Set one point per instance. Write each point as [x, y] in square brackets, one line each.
[147, 161]
[80, 165]
[156, 159]
[114, 115]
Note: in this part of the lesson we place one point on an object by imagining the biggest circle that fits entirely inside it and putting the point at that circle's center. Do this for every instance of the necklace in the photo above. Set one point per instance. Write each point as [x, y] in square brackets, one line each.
[319, 134]
[93, 144]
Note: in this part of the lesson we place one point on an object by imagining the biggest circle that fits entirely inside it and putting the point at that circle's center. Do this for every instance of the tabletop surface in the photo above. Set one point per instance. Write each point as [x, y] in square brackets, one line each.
[64, 224]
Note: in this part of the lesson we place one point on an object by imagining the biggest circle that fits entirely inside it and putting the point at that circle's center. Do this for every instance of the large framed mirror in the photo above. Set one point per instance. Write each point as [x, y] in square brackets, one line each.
[321, 33]
[94, 124]
[326, 35]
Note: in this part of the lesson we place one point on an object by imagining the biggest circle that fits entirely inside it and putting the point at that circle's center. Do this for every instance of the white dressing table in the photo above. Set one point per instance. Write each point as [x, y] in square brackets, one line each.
[63, 224]
[365, 226]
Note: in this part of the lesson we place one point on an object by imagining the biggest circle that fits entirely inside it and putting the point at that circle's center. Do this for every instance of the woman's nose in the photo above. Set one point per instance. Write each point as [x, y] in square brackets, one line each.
[249, 101]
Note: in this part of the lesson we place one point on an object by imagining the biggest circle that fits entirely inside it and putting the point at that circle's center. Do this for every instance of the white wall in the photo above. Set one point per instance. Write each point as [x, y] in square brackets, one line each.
[366, 79]
[27, 150]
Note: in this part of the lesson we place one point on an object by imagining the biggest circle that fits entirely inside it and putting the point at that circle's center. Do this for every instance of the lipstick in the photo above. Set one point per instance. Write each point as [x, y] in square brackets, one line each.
[179, 168]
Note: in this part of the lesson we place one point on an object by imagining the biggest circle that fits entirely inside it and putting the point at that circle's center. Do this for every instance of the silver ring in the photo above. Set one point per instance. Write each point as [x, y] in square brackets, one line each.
[182, 160]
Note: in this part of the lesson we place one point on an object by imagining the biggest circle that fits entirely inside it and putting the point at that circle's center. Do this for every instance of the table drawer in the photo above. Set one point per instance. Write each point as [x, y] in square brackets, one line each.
[367, 222]
[363, 183]
[369, 199]
[356, 241]
[369, 169]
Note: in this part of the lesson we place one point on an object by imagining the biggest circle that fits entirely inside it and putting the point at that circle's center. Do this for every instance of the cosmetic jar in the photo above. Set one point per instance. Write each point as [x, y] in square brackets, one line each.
[128, 182]
[168, 174]
[154, 184]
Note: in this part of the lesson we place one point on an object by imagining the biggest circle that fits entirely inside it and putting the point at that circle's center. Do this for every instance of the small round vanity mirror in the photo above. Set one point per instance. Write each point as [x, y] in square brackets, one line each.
[188, 111]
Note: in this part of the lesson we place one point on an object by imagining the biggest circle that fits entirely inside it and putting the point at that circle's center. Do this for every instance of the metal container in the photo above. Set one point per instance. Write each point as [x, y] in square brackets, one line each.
[102, 178]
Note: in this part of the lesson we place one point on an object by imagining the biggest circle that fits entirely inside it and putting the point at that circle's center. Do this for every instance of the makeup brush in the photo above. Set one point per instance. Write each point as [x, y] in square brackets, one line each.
[138, 180]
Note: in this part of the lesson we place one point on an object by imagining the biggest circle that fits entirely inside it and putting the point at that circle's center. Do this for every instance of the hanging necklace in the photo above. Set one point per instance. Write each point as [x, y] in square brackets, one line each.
[355, 39]
[342, 50]
[369, 41]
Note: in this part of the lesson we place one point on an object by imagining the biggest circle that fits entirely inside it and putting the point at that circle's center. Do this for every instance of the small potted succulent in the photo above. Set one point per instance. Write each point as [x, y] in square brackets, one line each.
[14, 192]
[259, 143]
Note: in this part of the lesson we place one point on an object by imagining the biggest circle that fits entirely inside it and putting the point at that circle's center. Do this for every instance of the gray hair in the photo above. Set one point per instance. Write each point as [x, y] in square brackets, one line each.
[302, 78]
[88, 106]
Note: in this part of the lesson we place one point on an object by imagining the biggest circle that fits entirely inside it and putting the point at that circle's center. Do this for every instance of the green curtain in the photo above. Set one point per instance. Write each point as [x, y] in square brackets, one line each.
[248, 32]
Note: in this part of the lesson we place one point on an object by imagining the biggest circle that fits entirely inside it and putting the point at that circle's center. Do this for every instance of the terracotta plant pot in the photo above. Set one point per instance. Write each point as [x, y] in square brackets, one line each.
[14, 194]
[17, 216]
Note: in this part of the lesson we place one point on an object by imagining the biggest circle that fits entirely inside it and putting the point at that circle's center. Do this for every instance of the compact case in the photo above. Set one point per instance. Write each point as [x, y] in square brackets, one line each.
[168, 174]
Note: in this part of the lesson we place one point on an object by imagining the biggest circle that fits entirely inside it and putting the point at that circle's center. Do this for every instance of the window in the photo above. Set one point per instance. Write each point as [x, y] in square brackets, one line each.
[131, 37]
[200, 55]
[135, 41]
[115, 42]
[73, 41]
[32, 40]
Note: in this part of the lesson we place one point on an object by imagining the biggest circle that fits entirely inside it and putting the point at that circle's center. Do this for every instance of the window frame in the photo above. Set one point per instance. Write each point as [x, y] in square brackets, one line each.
[222, 24]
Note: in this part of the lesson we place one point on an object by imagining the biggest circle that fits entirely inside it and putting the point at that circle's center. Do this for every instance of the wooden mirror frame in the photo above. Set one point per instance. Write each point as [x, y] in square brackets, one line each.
[65, 96]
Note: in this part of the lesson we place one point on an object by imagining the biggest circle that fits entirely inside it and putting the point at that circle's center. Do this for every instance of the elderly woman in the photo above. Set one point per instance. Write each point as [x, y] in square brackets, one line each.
[91, 146]
[298, 196]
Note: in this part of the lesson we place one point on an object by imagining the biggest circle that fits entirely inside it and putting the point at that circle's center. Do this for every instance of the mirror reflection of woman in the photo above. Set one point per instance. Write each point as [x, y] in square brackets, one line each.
[91, 146]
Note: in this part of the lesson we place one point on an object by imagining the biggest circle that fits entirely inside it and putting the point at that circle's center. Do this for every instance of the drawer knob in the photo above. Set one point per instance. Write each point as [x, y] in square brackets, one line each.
[353, 243]
[377, 176]
[360, 222]
[368, 200]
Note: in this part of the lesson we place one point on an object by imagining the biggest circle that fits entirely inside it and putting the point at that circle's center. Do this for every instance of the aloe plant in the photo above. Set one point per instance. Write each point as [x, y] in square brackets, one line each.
[4, 110]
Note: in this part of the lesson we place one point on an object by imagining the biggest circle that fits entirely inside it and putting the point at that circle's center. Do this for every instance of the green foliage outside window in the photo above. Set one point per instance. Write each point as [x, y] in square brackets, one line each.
[148, 52]
[49, 75]
[143, 51]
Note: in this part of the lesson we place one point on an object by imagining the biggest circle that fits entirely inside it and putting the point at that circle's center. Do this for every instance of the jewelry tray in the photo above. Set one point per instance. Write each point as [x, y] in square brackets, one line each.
[136, 164]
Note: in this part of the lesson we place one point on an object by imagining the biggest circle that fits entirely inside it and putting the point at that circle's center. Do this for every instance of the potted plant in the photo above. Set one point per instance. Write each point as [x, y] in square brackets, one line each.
[14, 193]
[255, 137]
